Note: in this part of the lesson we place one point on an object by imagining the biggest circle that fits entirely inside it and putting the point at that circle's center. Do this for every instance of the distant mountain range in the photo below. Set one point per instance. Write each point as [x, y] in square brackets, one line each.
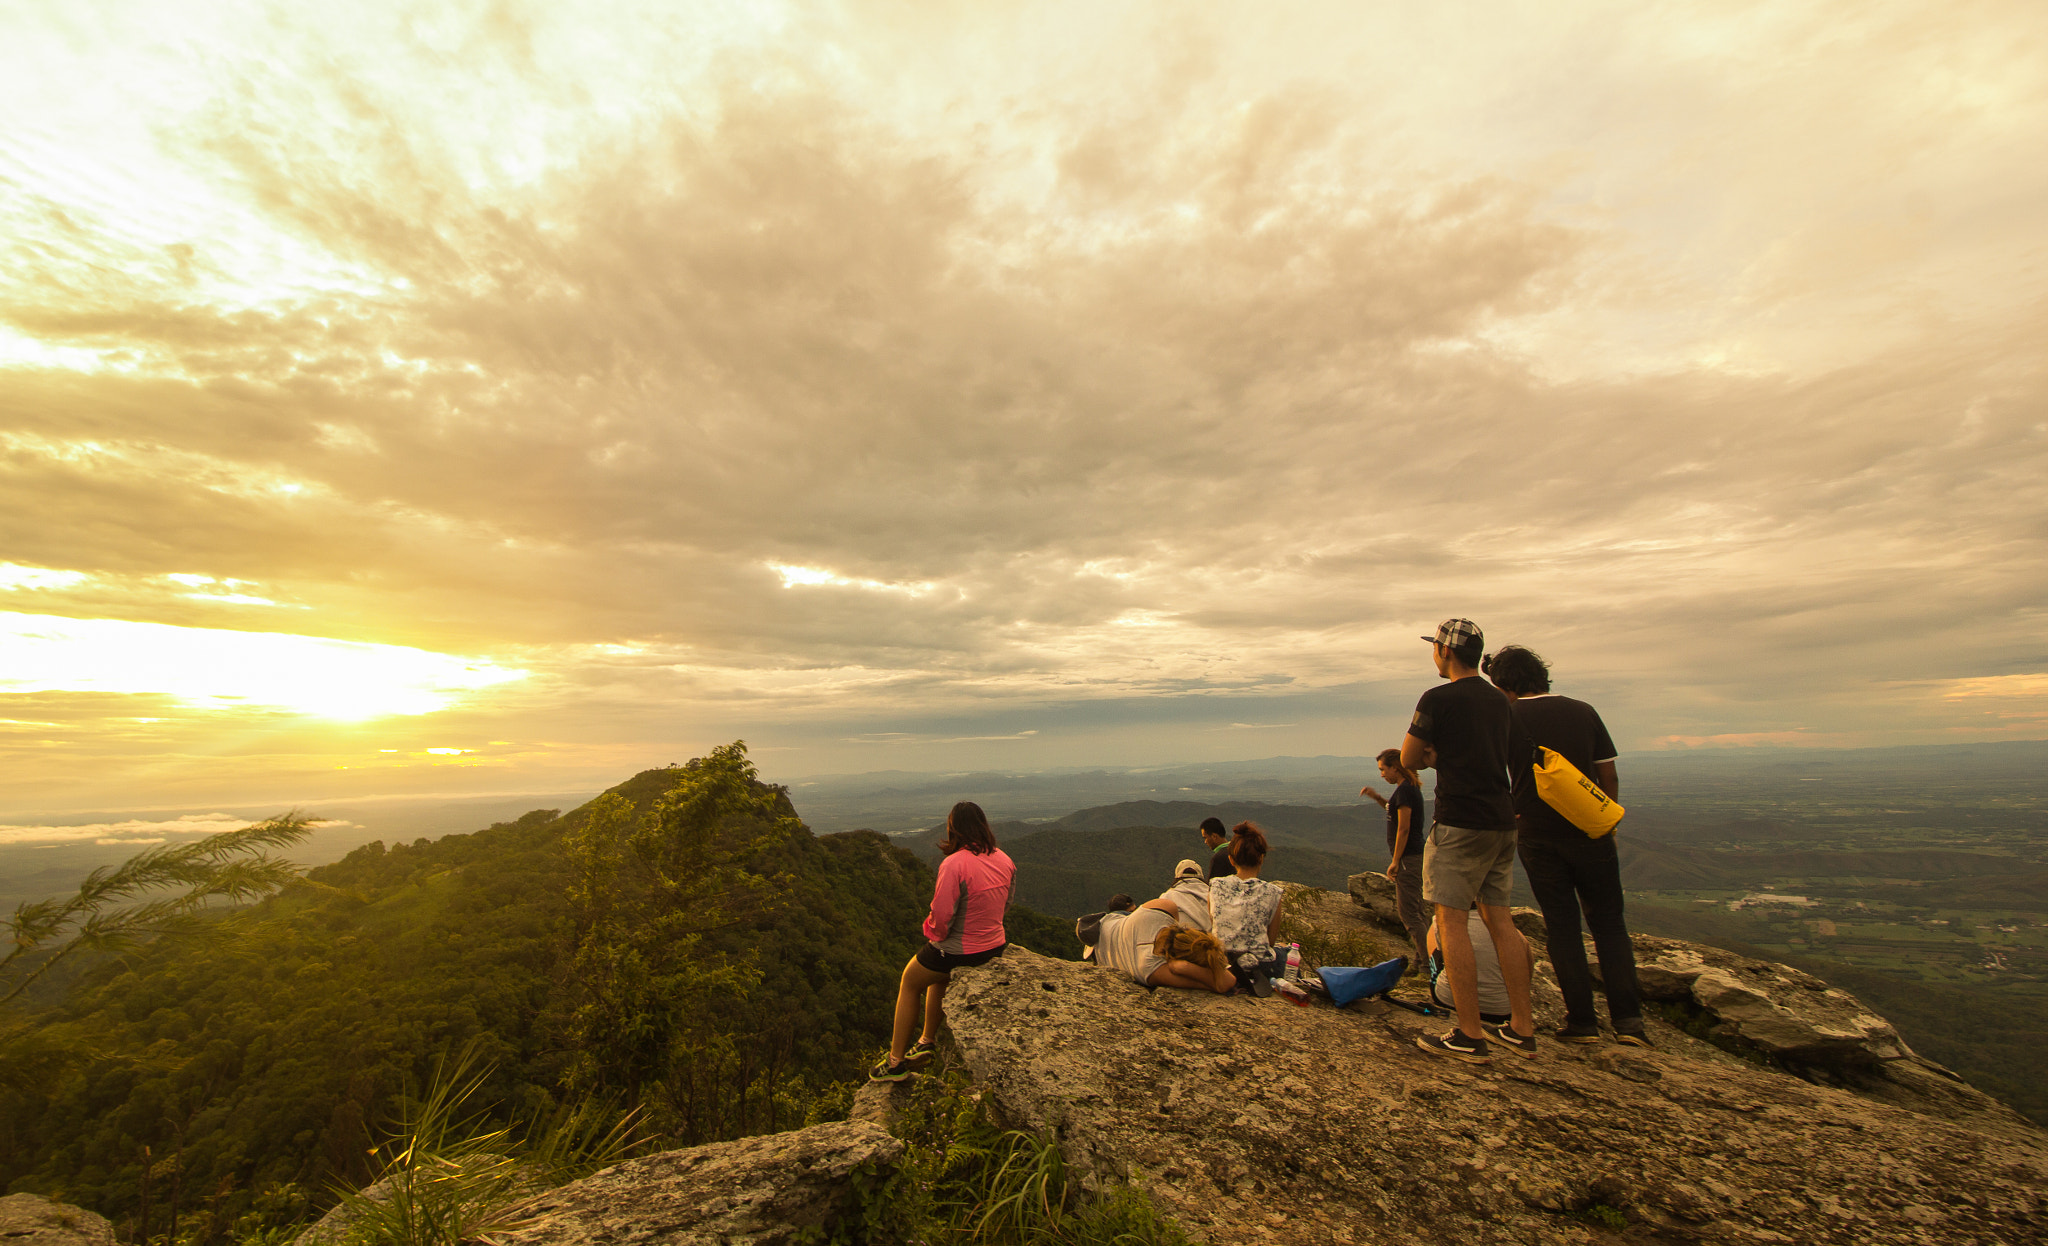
[1070, 866]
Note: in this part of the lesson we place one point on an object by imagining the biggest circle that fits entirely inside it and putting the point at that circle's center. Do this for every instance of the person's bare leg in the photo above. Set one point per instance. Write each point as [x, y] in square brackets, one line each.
[916, 981]
[1517, 965]
[1460, 967]
[934, 1009]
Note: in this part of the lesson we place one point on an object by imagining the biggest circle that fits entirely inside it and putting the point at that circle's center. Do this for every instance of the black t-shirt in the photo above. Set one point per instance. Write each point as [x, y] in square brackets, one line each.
[1409, 796]
[1469, 724]
[1572, 728]
[1219, 863]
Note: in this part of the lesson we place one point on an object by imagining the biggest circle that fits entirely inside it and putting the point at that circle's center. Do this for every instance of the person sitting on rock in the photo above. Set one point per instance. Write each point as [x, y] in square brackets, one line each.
[1493, 988]
[965, 928]
[1244, 911]
[1217, 841]
[1188, 898]
[1128, 943]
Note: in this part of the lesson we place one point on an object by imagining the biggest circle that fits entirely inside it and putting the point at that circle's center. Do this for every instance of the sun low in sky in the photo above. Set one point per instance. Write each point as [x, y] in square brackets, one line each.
[510, 397]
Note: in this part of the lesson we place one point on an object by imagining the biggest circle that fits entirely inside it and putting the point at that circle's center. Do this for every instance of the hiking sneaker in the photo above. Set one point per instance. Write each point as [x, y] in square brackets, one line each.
[887, 1072]
[1521, 1044]
[920, 1053]
[1455, 1045]
[1632, 1036]
[1576, 1034]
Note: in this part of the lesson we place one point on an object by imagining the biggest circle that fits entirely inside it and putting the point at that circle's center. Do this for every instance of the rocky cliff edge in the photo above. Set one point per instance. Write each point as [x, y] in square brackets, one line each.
[1804, 1118]
[1259, 1121]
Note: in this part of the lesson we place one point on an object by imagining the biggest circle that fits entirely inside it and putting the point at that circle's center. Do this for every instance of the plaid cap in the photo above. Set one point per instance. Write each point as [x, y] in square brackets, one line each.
[1452, 633]
[1186, 869]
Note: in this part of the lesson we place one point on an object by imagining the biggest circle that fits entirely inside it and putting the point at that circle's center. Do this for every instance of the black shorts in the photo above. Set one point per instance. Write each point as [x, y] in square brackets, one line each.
[946, 962]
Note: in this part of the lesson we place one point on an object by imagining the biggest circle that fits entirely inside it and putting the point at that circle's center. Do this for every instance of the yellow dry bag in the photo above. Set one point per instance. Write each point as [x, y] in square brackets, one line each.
[1574, 795]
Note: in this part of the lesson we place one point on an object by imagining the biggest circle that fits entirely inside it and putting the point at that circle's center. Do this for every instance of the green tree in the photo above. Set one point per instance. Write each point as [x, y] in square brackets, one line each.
[709, 856]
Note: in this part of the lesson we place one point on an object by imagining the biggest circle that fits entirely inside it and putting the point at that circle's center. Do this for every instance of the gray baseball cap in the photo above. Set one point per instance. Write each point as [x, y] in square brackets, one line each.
[1452, 633]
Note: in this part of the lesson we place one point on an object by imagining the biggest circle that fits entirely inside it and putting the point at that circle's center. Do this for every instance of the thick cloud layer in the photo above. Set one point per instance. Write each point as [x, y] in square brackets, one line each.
[1058, 385]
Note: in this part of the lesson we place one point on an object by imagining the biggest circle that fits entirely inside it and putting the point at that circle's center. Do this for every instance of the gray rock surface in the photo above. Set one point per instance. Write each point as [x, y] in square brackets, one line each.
[881, 1103]
[332, 1228]
[1259, 1121]
[1781, 1014]
[753, 1192]
[32, 1220]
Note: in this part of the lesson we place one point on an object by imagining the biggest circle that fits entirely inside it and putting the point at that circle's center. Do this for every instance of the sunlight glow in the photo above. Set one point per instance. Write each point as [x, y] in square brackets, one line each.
[15, 576]
[795, 576]
[217, 669]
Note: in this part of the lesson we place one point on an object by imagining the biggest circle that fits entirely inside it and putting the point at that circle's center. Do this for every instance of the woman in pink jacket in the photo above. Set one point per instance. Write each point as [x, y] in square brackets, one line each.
[965, 928]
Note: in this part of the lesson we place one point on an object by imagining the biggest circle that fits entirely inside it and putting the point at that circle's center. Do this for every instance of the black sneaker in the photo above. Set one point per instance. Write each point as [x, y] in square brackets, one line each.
[1455, 1045]
[1632, 1035]
[884, 1071]
[1576, 1034]
[920, 1053]
[1520, 1044]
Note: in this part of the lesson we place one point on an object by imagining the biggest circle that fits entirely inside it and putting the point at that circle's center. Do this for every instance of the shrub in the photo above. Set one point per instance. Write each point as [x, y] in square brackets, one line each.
[964, 1179]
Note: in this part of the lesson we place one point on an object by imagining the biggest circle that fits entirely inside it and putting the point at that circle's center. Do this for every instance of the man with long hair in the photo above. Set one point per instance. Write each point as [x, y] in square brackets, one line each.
[1566, 867]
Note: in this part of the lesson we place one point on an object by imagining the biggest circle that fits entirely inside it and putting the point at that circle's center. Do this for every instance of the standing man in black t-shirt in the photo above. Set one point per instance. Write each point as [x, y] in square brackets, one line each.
[1567, 867]
[1467, 732]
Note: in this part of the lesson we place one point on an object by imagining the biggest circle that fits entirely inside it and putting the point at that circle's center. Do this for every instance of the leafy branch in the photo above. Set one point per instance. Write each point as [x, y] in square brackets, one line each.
[121, 907]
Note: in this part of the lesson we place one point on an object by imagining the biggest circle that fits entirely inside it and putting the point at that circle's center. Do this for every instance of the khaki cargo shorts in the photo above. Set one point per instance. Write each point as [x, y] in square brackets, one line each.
[1460, 866]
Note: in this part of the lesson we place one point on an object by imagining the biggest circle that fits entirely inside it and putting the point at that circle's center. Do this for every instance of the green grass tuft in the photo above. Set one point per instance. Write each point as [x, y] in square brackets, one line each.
[965, 1179]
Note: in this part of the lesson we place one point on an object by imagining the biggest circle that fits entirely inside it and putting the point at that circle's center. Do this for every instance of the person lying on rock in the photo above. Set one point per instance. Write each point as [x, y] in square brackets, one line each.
[1244, 911]
[1188, 898]
[965, 927]
[1140, 945]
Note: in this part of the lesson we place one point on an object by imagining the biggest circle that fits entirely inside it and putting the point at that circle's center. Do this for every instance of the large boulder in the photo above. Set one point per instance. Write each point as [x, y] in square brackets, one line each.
[761, 1191]
[1259, 1121]
[32, 1220]
[1766, 1011]
[1774, 1008]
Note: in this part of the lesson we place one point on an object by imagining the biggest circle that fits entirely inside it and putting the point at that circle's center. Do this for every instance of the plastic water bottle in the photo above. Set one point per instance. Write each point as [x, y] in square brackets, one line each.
[1293, 971]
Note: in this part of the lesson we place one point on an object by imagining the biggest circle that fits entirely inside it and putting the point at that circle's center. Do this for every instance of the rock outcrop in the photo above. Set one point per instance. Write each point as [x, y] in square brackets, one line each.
[31, 1220]
[760, 1191]
[1779, 1014]
[1258, 1121]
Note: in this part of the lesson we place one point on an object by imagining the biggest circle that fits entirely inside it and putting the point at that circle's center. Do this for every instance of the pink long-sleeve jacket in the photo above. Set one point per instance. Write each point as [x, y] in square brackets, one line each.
[968, 904]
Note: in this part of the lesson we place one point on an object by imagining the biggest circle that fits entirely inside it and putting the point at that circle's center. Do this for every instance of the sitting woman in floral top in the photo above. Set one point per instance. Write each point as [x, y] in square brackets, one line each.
[1244, 910]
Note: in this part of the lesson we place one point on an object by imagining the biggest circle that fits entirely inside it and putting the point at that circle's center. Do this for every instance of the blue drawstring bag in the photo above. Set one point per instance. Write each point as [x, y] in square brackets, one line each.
[1346, 984]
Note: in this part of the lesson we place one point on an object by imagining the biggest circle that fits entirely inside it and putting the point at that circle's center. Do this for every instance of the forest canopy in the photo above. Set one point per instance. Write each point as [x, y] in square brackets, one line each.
[681, 946]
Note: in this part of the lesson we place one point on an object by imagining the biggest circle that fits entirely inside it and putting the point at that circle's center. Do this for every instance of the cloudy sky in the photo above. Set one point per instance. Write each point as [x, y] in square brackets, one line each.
[506, 396]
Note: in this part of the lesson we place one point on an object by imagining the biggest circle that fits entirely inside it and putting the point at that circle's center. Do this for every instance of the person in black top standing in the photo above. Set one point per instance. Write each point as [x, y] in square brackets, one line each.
[1218, 840]
[1405, 833]
[1567, 868]
[1466, 731]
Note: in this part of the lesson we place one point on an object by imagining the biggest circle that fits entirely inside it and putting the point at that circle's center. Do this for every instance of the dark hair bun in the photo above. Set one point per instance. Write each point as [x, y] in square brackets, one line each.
[1248, 844]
